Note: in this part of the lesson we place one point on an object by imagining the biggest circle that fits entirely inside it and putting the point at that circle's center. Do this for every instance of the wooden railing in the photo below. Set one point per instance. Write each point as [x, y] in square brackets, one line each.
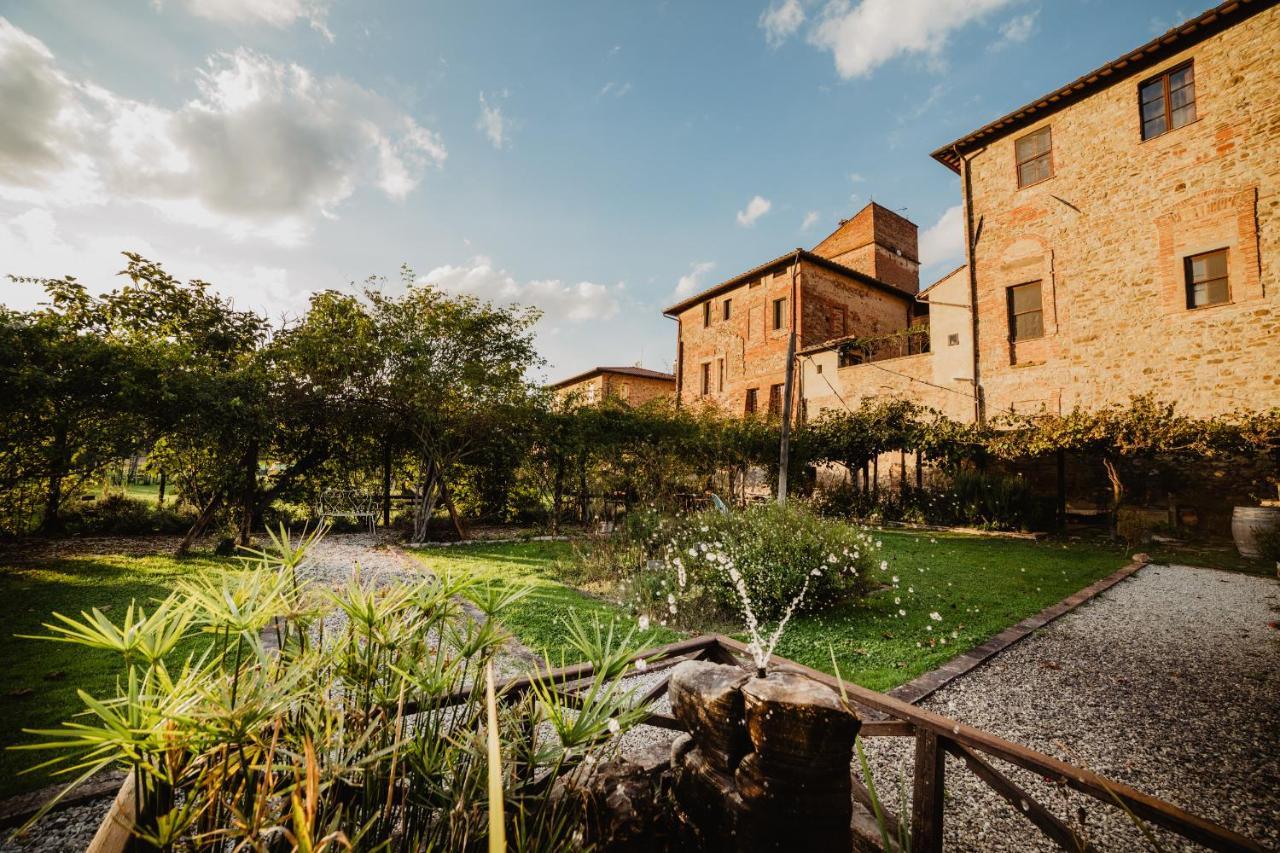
[935, 737]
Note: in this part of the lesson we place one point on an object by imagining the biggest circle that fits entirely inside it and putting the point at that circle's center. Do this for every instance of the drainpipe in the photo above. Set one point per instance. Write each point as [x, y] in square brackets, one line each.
[784, 450]
[979, 410]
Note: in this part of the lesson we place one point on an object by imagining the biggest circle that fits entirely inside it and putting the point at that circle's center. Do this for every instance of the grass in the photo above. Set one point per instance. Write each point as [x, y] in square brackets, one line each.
[977, 585]
[538, 618]
[40, 678]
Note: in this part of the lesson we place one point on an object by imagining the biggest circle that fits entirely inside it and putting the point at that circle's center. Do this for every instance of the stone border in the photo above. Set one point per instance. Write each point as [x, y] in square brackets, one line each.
[923, 686]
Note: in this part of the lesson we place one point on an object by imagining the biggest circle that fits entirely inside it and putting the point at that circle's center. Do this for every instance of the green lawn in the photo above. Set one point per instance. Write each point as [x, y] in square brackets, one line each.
[538, 618]
[40, 678]
[978, 586]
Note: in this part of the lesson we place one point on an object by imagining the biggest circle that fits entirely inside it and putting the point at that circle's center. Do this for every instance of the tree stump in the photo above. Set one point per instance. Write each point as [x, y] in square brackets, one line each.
[769, 768]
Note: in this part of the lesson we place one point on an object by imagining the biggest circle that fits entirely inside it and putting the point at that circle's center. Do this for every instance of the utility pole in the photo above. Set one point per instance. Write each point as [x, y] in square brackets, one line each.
[784, 450]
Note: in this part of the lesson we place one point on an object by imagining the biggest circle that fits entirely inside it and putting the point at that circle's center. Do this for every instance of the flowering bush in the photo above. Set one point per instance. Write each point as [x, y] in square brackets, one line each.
[760, 563]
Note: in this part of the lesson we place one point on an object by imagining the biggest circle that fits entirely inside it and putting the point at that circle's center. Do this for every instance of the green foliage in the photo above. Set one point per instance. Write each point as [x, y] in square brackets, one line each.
[124, 516]
[691, 564]
[348, 737]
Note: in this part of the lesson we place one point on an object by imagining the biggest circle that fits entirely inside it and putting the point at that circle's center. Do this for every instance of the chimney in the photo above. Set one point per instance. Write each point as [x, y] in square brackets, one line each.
[879, 242]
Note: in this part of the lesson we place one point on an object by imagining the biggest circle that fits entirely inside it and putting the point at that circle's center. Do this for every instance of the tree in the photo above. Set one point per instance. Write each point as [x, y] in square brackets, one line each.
[456, 372]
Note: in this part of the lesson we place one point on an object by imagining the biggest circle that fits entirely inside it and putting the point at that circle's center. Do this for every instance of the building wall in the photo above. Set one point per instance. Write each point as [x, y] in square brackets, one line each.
[878, 242]
[1107, 234]
[826, 385]
[951, 333]
[753, 353]
[635, 390]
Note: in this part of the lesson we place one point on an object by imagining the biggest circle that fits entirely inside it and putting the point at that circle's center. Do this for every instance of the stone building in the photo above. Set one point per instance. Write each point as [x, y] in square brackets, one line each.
[732, 338]
[931, 365]
[631, 385]
[1124, 230]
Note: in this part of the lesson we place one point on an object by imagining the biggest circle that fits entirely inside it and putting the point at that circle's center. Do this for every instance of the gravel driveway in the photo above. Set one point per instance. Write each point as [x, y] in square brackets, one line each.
[1168, 682]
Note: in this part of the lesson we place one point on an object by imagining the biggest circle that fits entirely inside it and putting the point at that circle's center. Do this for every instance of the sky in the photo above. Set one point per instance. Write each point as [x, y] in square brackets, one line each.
[596, 160]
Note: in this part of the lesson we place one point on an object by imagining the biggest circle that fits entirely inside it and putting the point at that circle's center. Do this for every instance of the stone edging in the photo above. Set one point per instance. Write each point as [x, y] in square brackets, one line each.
[925, 685]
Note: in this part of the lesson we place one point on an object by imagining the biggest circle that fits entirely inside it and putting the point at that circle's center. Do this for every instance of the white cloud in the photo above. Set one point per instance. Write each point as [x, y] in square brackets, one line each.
[693, 281]
[616, 90]
[756, 208]
[810, 220]
[275, 13]
[944, 240]
[856, 178]
[781, 20]
[1016, 30]
[493, 124]
[34, 243]
[261, 149]
[864, 36]
[558, 300]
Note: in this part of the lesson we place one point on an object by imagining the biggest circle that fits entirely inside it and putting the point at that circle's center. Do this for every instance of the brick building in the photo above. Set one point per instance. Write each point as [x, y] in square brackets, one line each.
[732, 338]
[1124, 230]
[632, 385]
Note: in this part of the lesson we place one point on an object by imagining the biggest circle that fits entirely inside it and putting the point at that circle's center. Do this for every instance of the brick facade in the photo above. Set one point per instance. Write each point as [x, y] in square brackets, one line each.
[734, 359]
[1108, 233]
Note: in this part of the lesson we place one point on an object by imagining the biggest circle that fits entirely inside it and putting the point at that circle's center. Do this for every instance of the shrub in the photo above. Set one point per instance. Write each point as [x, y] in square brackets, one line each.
[366, 734]
[125, 516]
[689, 563]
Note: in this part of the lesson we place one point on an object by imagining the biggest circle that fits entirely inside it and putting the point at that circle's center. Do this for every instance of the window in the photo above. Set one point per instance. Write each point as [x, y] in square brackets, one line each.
[1026, 318]
[779, 312]
[785, 272]
[751, 401]
[720, 375]
[1207, 279]
[953, 339]
[1168, 101]
[726, 308]
[775, 400]
[1034, 153]
[706, 314]
[819, 366]
[706, 378]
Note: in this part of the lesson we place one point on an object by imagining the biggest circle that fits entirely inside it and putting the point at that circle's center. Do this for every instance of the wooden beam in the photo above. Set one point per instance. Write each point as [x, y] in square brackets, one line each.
[1022, 802]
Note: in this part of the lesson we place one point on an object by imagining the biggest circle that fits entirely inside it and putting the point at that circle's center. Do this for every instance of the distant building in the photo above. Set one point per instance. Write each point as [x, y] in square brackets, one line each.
[1124, 230]
[631, 385]
[732, 338]
[930, 364]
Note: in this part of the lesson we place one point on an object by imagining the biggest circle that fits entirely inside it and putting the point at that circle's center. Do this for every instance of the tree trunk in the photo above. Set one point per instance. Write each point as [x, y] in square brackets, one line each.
[249, 492]
[583, 497]
[1117, 494]
[458, 526]
[919, 471]
[426, 505]
[160, 499]
[51, 521]
[201, 522]
[386, 483]
[557, 497]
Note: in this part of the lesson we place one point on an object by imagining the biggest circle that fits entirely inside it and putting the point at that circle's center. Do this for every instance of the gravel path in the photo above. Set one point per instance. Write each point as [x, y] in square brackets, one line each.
[1167, 682]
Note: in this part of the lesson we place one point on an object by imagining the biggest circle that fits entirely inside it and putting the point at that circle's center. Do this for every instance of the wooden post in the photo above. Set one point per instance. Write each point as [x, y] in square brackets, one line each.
[926, 797]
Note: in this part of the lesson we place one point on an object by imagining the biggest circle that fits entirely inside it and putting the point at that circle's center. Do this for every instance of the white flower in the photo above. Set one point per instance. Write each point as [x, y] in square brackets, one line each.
[614, 728]
[816, 573]
[897, 600]
[643, 622]
[902, 613]
[884, 566]
[935, 616]
[641, 664]
[831, 558]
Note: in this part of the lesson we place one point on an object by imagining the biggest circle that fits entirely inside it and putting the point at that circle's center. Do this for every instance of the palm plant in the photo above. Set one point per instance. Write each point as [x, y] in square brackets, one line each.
[378, 736]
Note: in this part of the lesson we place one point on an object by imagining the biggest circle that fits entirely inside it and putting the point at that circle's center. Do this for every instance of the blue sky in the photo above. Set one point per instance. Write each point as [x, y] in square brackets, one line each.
[592, 159]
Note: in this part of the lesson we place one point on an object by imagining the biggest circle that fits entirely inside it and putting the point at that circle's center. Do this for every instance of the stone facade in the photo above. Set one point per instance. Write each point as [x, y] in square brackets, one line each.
[632, 385]
[732, 339]
[1108, 236]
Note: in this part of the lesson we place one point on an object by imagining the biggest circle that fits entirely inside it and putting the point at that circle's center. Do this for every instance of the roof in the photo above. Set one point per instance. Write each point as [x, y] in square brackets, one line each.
[642, 372]
[1179, 38]
[782, 260]
[924, 293]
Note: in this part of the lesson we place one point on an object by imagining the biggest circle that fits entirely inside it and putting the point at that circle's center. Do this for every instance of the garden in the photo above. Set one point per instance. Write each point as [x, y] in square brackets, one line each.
[174, 470]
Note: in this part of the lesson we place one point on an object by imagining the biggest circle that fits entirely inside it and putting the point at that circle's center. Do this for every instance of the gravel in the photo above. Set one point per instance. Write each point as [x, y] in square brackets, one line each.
[1167, 682]
[69, 829]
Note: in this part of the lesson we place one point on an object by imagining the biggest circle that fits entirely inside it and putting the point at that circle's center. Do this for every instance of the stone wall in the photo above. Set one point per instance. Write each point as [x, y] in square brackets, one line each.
[1108, 233]
[634, 390]
[880, 243]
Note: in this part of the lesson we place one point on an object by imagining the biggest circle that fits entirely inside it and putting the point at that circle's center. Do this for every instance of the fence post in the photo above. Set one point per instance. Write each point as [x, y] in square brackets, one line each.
[926, 797]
